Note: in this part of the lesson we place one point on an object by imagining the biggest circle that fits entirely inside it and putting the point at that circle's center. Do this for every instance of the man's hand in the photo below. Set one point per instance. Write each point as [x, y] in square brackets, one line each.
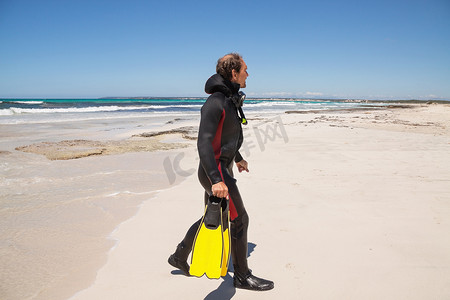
[242, 165]
[219, 190]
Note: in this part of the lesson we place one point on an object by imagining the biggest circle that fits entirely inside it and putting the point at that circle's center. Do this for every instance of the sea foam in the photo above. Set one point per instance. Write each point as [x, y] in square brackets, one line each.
[18, 110]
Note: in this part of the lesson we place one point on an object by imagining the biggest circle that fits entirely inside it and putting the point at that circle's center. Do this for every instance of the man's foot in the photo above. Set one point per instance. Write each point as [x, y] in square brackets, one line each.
[179, 264]
[250, 282]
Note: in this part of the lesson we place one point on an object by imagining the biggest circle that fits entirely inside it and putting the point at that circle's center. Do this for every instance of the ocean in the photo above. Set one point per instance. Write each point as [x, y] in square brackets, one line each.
[26, 111]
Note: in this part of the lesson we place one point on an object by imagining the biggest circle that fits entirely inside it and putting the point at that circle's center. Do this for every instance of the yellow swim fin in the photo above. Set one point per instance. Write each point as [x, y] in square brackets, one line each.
[207, 250]
[226, 240]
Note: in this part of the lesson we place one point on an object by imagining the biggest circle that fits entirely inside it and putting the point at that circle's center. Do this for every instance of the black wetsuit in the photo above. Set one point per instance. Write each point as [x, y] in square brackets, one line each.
[219, 139]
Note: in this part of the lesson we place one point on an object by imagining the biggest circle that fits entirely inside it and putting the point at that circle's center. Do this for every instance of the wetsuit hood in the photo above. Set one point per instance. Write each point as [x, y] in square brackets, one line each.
[217, 83]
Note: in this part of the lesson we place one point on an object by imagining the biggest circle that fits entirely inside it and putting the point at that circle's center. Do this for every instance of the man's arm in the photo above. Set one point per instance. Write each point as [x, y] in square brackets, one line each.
[242, 165]
[211, 114]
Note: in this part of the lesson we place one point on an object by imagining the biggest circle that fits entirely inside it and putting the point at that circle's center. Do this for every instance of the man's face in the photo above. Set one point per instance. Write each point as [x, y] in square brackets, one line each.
[241, 77]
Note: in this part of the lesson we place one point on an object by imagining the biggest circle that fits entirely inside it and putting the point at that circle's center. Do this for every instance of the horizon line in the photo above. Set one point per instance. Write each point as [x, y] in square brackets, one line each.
[204, 97]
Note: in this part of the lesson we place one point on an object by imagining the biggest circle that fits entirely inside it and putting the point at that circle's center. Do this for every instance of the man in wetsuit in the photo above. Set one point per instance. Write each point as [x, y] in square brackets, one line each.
[219, 139]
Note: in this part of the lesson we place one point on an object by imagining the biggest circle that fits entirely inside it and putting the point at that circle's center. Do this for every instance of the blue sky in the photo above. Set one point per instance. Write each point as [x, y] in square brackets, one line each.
[307, 49]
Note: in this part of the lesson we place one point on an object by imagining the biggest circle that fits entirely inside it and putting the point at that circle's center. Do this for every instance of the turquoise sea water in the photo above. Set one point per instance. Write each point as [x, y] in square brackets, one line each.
[18, 111]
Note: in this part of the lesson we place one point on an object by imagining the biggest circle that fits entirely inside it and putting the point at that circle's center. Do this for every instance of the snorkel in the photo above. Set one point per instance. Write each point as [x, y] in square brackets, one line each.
[238, 101]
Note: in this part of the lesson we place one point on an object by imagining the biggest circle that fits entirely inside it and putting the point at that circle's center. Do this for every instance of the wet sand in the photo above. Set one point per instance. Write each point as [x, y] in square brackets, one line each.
[62, 195]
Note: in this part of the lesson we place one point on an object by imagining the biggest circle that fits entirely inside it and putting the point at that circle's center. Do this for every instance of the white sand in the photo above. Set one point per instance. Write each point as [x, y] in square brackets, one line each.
[352, 206]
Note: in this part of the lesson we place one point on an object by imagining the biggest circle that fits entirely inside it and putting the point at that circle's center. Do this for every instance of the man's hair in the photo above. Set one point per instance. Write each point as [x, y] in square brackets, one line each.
[228, 63]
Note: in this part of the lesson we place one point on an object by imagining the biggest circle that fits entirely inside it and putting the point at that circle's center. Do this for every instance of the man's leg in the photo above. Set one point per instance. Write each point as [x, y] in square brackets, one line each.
[179, 258]
[243, 277]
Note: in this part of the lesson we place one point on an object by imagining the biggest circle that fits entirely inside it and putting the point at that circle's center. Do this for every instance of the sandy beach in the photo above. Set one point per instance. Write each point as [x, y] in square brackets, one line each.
[347, 204]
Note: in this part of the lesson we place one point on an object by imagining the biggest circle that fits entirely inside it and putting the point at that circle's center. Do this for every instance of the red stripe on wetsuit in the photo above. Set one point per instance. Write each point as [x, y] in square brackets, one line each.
[217, 147]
